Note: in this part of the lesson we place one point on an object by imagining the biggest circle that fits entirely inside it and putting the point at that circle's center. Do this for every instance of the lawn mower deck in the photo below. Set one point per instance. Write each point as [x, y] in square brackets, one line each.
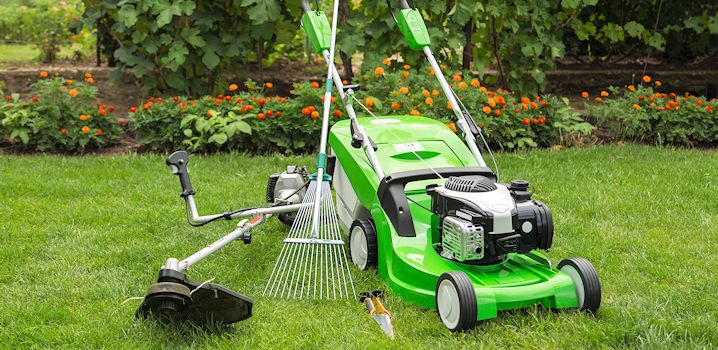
[399, 208]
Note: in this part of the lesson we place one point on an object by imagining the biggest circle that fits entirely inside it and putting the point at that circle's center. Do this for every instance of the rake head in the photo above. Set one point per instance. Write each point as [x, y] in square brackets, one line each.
[313, 262]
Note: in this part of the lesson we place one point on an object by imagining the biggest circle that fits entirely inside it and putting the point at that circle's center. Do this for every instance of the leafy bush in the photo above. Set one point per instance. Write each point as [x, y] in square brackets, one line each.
[643, 113]
[510, 120]
[243, 121]
[254, 122]
[183, 46]
[61, 115]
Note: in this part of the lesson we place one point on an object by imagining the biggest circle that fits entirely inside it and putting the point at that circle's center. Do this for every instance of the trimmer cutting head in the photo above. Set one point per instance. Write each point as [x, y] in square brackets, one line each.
[177, 298]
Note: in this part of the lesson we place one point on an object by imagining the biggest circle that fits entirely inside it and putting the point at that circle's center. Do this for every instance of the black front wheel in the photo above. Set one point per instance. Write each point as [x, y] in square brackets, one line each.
[585, 278]
[456, 301]
[363, 244]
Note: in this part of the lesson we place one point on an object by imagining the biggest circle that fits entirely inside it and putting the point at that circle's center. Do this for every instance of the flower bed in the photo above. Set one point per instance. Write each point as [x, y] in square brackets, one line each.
[254, 121]
[61, 115]
[645, 113]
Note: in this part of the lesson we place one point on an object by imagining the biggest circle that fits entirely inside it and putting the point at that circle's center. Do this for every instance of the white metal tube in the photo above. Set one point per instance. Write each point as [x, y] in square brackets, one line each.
[463, 125]
[206, 251]
[196, 218]
[366, 144]
[325, 121]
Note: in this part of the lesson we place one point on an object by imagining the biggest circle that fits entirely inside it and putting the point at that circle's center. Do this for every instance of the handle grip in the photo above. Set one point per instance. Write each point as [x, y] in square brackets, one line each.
[178, 163]
[365, 298]
[305, 6]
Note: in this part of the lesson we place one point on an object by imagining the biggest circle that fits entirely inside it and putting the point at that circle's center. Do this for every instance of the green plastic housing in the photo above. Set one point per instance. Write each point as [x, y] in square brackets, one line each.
[318, 30]
[411, 265]
[412, 26]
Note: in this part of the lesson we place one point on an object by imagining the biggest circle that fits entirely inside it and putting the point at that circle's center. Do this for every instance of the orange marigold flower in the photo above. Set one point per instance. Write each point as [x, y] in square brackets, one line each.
[315, 115]
[63, 131]
[35, 99]
[269, 85]
[88, 75]
[260, 116]
[631, 88]
[457, 78]
[475, 83]
[426, 93]
[314, 84]
[395, 106]
[369, 102]
[269, 113]
[431, 71]
[415, 113]
[534, 105]
[525, 121]
[463, 85]
[404, 90]
[102, 112]
[492, 102]
[133, 109]
[73, 92]
[449, 106]
[337, 113]
[646, 79]
[85, 129]
[429, 101]
[405, 74]
[451, 127]
[542, 120]
[604, 93]
[486, 109]
[90, 80]
[658, 83]
[233, 87]
[84, 117]
[482, 89]
[122, 122]
[584, 94]
[407, 67]
[598, 99]
[99, 132]
[636, 106]
[43, 74]
[443, 66]
[497, 112]
[379, 71]
[210, 113]
[69, 81]
[534, 120]
[387, 61]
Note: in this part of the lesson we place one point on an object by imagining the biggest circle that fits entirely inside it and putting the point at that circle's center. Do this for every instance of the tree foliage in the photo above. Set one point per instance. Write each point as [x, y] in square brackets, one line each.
[184, 45]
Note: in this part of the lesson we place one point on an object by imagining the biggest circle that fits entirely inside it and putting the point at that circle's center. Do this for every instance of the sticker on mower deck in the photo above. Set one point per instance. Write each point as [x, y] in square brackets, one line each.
[408, 147]
[385, 121]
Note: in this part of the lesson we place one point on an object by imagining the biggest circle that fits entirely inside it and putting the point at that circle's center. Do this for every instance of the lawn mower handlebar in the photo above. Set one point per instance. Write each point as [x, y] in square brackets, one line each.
[178, 163]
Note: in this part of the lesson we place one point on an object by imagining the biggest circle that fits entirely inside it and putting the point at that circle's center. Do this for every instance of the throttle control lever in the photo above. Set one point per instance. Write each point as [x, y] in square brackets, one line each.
[178, 163]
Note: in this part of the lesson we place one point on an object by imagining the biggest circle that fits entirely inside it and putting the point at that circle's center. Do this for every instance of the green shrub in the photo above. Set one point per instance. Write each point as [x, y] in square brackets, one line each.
[61, 115]
[244, 121]
[254, 122]
[644, 113]
[509, 120]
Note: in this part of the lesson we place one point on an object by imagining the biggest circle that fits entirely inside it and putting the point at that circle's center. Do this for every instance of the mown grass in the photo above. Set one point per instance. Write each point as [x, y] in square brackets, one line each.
[26, 53]
[82, 234]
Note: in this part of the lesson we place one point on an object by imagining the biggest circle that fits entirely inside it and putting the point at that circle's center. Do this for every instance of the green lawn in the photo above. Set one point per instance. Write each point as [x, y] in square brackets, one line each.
[82, 234]
[25, 53]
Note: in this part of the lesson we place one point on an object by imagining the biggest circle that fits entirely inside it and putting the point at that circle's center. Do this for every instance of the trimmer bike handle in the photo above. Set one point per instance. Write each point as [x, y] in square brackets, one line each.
[178, 163]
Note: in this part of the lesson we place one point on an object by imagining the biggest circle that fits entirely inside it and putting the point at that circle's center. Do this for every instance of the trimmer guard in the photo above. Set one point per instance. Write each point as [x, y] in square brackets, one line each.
[410, 264]
[211, 303]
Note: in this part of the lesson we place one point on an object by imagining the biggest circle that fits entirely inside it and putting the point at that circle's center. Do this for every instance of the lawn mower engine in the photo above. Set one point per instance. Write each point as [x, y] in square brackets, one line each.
[480, 222]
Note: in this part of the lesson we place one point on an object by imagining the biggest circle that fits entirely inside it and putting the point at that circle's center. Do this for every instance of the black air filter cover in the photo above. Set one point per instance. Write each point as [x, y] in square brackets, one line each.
[470, 184]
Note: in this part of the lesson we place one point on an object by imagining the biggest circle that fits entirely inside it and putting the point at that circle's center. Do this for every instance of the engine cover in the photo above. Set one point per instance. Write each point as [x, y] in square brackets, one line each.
[287, 187]
[481, 221]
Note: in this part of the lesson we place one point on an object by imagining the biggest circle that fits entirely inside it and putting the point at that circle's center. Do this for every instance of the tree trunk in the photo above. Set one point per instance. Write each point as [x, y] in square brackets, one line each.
[495, 39]
[468, 58]
[260, 58]
[346, 58]
[98, 42]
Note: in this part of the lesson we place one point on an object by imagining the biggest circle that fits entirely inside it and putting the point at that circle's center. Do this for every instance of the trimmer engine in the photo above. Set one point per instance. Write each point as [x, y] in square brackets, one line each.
[480, 221]
[288, 187]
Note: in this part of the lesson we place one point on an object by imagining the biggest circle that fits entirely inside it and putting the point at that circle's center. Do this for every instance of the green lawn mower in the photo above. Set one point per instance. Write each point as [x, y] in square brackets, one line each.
[413, 199]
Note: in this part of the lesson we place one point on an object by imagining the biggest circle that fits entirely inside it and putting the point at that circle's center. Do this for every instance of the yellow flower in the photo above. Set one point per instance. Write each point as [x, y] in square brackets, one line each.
[233, 87]
[404, 90]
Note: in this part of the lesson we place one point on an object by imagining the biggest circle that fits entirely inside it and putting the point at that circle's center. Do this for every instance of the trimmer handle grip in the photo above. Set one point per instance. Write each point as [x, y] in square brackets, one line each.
[178, 163]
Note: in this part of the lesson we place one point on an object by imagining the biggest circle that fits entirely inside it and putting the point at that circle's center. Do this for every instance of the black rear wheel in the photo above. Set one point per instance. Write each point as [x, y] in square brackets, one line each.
[585, 278]
[363, 244]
